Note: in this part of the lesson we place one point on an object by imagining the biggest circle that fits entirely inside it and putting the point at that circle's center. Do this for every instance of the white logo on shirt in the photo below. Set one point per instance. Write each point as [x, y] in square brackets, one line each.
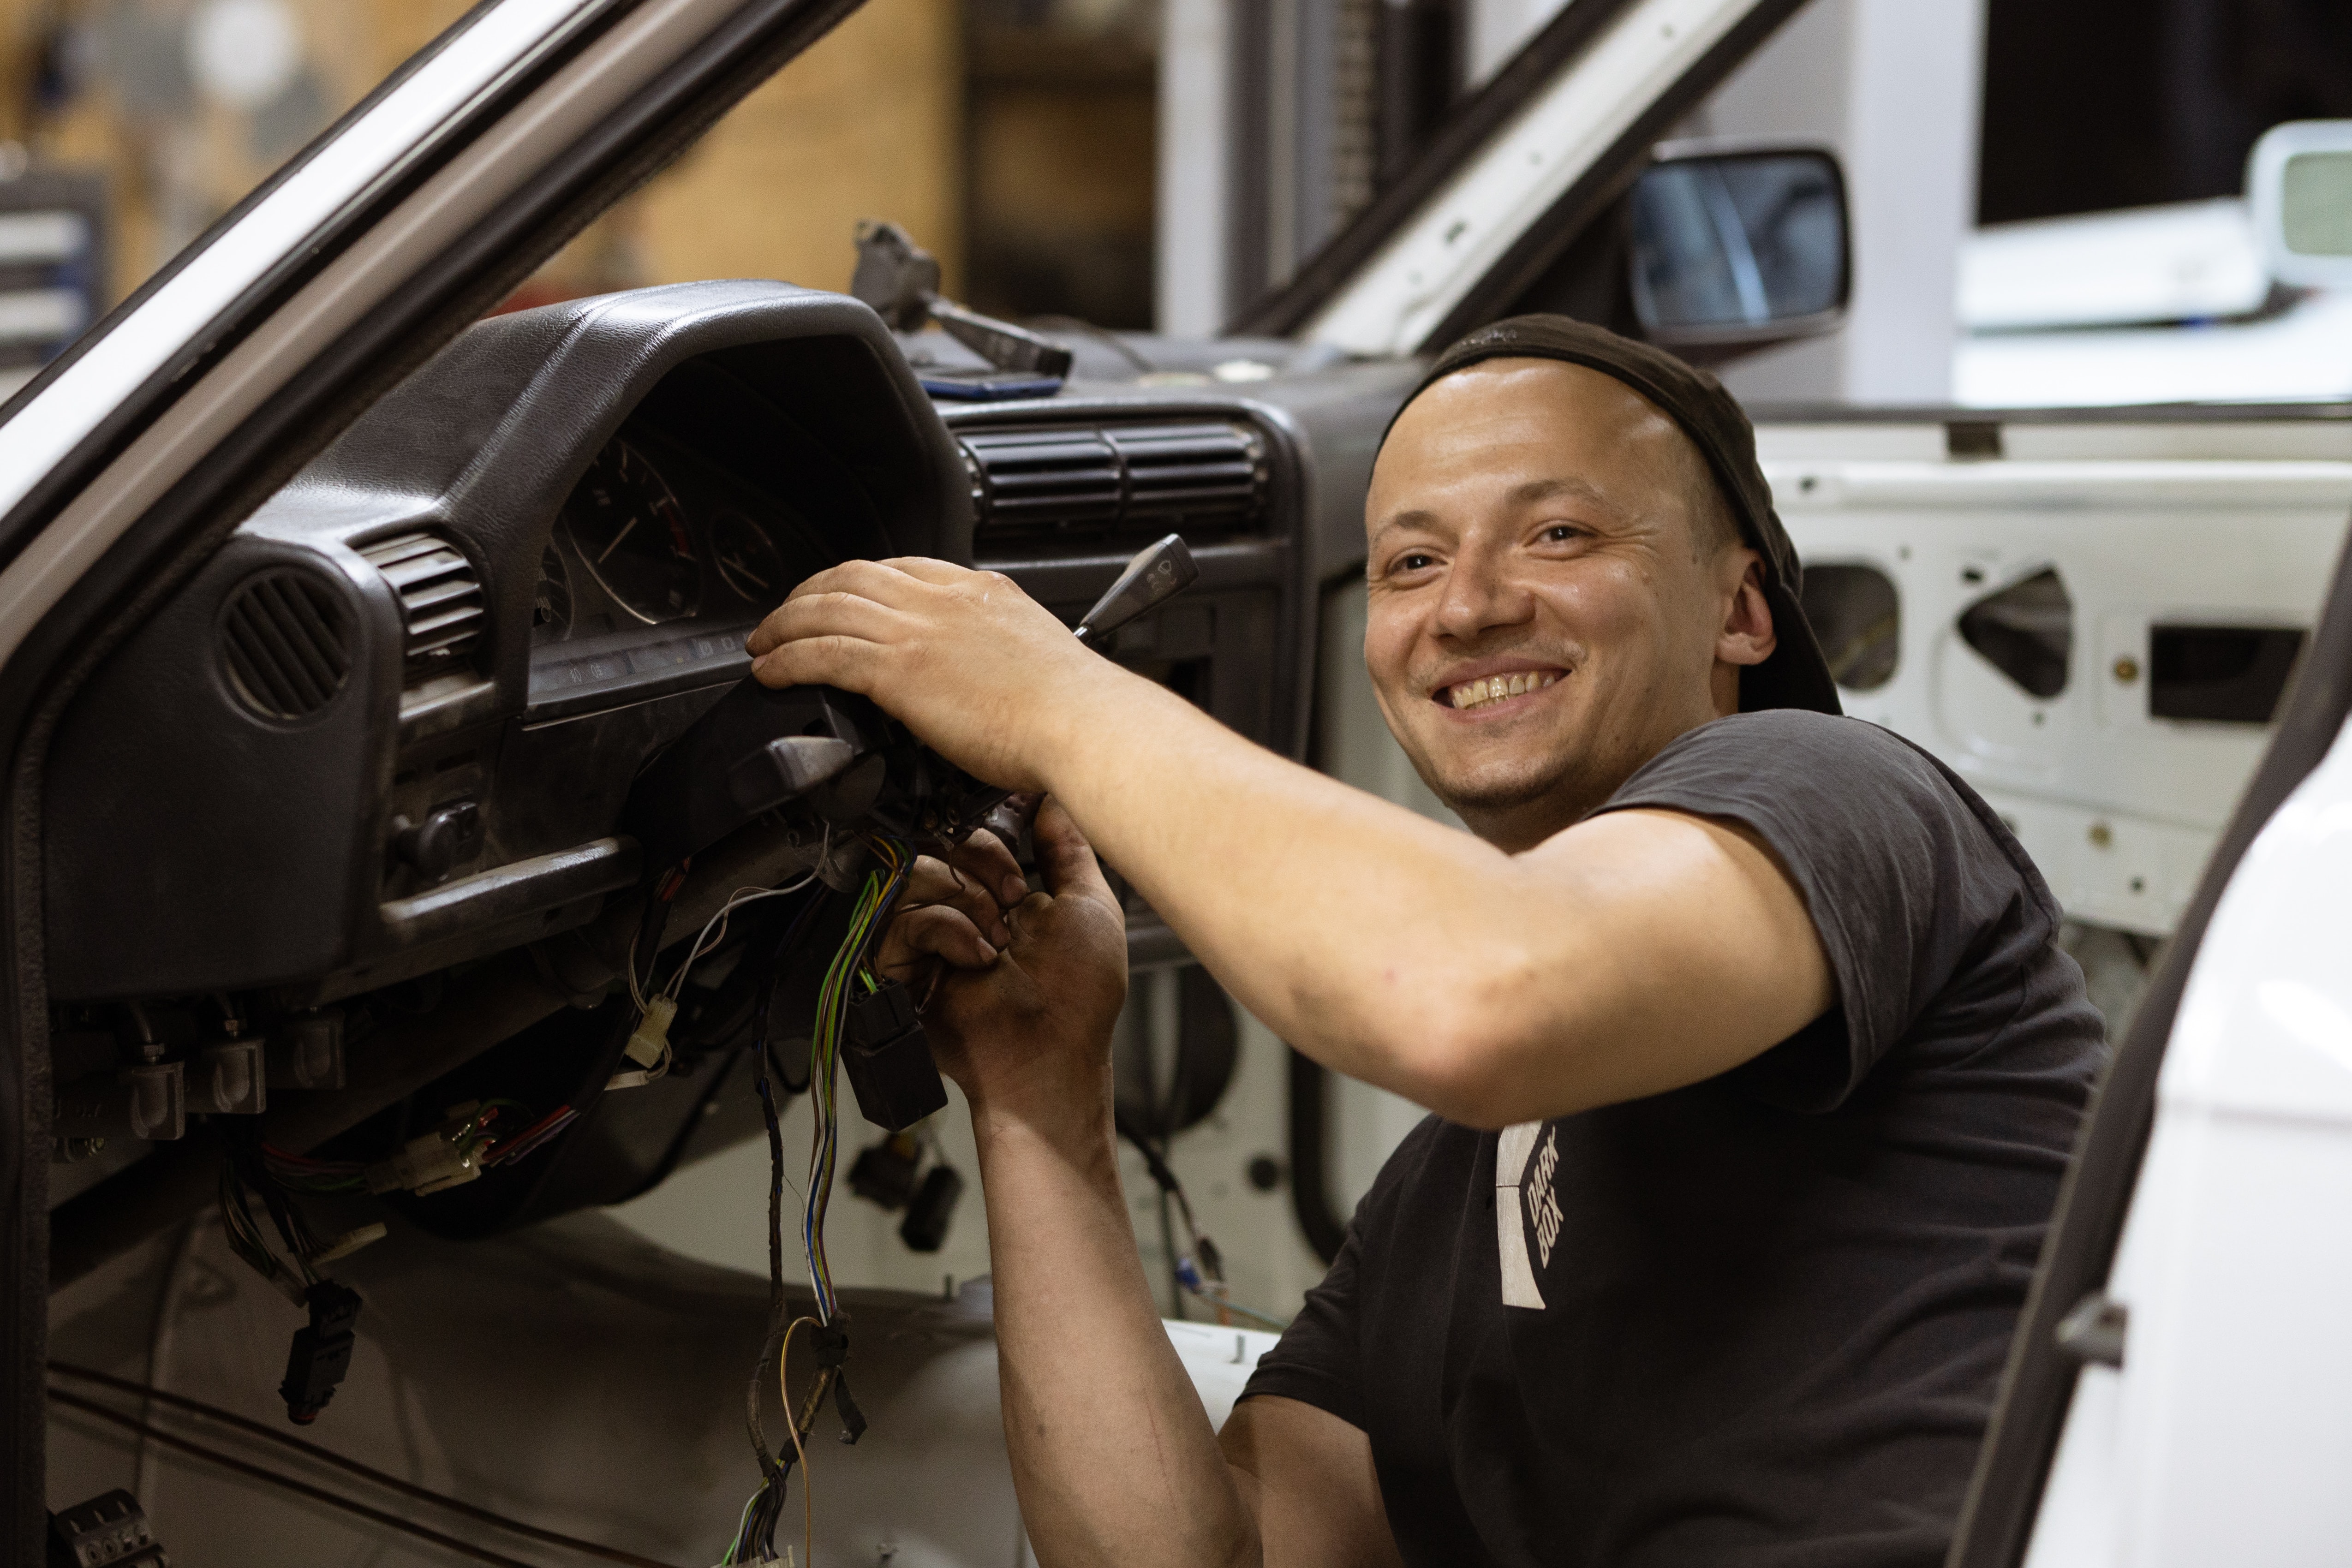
[1543, 1197]
[1513, 1151]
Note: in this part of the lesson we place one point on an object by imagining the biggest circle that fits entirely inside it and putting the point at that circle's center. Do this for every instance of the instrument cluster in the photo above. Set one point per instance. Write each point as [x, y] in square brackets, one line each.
[653, 534]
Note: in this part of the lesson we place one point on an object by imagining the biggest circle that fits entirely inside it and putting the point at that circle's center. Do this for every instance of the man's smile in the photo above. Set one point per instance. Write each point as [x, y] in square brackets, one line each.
[1490, 689]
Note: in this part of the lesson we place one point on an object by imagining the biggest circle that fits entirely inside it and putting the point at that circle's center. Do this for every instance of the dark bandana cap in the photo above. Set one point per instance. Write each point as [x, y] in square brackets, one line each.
[1796, 676]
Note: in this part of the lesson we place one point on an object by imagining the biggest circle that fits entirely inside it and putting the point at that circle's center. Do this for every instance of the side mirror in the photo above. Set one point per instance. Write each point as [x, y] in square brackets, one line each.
[2299, 181]
[1739, 246]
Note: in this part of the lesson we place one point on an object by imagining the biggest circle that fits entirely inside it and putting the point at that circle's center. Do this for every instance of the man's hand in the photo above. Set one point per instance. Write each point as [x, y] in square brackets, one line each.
[1025, 987]
[1112, 1454]
[981, 673]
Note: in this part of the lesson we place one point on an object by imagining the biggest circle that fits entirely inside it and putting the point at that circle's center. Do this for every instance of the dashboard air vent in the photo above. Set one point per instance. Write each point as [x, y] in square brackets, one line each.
[286, 644]
[1190, 469]
[1067, 479]
[440, 600]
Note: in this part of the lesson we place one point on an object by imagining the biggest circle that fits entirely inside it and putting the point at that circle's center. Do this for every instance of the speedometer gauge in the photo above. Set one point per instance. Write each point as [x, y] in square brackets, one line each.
[630, 531]
[747, 559]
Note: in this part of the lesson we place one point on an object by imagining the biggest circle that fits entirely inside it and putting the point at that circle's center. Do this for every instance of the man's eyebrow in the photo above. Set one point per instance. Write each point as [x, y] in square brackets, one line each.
[1532, 493]
[1566, 488]
[1415, 519]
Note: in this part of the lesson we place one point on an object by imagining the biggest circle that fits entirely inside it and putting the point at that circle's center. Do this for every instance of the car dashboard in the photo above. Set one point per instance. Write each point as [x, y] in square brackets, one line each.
[366, 773]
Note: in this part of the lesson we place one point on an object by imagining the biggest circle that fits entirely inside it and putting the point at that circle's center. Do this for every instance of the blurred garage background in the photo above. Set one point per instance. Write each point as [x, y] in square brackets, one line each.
[1161, 163]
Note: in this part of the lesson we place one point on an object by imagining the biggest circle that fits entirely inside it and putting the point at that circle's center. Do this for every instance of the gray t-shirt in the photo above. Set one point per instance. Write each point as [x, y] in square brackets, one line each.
[1759, 1320]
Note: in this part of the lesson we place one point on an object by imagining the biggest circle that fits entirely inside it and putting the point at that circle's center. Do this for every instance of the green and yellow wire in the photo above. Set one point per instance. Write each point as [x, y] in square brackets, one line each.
[866, 919]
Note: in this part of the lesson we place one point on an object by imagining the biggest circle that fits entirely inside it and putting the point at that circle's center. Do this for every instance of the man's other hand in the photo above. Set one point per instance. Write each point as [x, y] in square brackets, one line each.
[1024, 987]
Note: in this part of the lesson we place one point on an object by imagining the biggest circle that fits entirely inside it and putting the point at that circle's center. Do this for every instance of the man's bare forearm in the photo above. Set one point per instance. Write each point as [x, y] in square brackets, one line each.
[1327, 910]
[1486, 986]
[1622, 956]
[1112, 1453]
[1360, 932]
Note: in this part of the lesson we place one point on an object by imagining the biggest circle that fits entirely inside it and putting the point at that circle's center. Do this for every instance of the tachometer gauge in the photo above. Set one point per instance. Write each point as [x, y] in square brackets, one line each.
[747, 559]
[629, 529]
[551, 604]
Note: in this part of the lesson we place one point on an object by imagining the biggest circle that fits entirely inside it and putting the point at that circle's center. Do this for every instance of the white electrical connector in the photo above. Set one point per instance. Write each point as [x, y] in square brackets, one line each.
[650, 1043]
[430, 1164]
[649, 1046]
[349, 1242]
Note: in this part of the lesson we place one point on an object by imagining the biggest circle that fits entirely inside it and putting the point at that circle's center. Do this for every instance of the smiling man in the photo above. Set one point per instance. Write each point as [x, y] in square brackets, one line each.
[1752, 1057]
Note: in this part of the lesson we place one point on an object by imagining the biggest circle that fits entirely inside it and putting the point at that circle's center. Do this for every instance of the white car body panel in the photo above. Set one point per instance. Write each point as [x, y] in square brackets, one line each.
[2191, 261]
[2152, 304]
[2120, 810]
[2226, 1434]
[2302, 355]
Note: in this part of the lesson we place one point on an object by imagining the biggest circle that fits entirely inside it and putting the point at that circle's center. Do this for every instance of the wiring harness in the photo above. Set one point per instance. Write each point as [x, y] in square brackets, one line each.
[847, 976]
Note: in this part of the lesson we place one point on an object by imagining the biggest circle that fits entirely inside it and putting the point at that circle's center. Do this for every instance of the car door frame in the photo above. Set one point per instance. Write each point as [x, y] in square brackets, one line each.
[140, 450]
[1376, 260]
[2004, 1496]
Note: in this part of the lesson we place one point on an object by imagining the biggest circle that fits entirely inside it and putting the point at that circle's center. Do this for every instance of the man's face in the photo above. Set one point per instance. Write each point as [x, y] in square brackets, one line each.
[1548, 604]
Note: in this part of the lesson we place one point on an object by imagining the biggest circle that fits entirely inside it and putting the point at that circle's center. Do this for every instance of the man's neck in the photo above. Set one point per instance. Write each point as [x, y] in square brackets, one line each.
[1521, 825]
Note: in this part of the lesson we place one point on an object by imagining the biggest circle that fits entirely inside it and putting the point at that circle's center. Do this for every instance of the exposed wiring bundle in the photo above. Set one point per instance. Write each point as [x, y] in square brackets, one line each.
[648, 1045]
[848, 979]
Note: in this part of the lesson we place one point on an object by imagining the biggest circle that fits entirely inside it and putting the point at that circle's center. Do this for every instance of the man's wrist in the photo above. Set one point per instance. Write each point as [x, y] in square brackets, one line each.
[1081, 718]
[1033, 1173]
[1079, 1137]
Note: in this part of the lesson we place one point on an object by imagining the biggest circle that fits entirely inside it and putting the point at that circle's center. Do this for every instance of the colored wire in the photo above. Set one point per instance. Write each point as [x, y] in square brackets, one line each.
[755, 1528]
[329, 1456]
[714, 931]
[712, 935]
[245, 1239]
[808, 1477]
[1206, 1276]
[868, 919]
[533, 1138]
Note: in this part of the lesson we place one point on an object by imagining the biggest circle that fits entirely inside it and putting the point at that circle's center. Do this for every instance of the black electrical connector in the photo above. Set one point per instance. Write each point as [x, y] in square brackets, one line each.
[111, 1528]
[322, 1354]
[889, 1058]
[925, 1229]
[887, 1173]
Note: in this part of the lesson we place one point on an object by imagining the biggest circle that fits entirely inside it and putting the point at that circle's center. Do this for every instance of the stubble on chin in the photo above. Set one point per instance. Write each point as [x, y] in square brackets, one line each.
[1500, 789]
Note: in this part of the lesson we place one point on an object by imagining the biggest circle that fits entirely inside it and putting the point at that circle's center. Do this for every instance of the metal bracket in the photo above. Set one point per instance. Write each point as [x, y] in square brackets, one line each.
[2093, 1331]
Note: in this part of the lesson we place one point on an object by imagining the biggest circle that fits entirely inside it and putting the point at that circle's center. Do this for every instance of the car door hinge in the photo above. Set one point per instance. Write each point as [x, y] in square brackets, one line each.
[2093, 1330]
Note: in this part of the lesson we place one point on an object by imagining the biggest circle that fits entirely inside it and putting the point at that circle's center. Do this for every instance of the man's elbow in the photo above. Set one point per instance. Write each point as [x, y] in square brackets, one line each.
[1478, 1071]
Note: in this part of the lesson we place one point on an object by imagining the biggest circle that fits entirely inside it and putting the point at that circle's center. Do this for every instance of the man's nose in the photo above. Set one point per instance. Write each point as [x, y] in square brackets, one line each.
[1480, 596]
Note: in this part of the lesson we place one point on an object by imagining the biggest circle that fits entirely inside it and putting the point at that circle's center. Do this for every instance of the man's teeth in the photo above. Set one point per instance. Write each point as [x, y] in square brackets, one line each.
[1495, 688]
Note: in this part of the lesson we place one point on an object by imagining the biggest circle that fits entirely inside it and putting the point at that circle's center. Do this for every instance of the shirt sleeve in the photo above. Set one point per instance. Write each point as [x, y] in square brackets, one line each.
[1903, 870]
[1314, 1359]
[1318, 1360]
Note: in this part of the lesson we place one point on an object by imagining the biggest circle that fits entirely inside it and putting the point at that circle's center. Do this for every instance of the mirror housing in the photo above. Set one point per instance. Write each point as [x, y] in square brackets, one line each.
[1738, 245]
[2299, 184]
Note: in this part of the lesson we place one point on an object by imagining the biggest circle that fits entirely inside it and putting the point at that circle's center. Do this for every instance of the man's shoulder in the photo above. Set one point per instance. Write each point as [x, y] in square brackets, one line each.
[1818, 784]
[1795, 749]
[1800, 734]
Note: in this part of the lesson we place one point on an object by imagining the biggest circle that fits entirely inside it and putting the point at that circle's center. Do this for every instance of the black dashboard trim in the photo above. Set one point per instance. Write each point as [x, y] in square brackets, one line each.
[516, 891]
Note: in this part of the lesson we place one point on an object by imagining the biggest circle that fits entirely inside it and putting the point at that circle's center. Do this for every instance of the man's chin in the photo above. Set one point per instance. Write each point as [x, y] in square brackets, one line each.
[1494, 790]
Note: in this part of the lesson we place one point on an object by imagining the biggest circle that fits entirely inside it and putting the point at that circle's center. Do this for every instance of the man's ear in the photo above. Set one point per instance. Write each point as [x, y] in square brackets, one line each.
[1746, 636]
